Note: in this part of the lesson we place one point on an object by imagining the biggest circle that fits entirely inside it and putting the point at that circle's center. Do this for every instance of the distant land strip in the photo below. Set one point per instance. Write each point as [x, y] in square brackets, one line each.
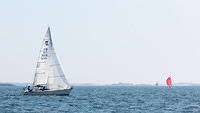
[6, 84]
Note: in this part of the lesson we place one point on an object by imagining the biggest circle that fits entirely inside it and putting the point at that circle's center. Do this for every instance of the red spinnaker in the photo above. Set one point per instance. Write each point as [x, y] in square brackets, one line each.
[169, 81]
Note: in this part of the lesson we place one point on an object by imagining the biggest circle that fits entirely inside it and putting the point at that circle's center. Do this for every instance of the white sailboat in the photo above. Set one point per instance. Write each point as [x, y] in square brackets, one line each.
[49, 77]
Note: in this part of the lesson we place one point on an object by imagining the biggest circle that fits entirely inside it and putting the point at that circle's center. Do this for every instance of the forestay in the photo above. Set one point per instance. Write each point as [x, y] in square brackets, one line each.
[48, 70]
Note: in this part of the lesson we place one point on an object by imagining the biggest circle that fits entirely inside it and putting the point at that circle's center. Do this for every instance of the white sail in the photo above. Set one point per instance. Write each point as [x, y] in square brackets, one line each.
[48, 70]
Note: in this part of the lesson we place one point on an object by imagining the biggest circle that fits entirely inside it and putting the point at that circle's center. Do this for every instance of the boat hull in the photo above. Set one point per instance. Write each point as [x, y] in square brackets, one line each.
[49, 92]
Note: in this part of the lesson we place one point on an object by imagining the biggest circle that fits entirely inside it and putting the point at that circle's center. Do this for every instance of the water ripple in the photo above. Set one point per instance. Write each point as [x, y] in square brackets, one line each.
[105, 100]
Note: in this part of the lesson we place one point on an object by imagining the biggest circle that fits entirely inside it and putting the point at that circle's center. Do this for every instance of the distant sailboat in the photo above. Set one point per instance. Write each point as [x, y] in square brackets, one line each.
[49, 77]
[169, 81]
[156, 84]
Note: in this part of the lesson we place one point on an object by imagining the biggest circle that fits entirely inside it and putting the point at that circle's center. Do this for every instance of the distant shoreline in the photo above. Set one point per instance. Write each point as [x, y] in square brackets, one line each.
[93, 84]
[6, 84]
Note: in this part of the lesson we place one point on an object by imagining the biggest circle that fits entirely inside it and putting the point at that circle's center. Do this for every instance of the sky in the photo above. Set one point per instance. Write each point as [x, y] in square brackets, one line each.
[103, 41]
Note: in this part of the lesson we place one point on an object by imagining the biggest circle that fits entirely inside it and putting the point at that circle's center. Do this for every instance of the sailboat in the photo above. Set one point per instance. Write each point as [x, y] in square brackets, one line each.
[169, 81]
[49, 77]
[156, 84]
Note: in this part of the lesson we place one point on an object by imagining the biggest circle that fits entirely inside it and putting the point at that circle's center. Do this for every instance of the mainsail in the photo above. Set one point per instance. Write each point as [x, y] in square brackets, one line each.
[169, 81]
[48, 69]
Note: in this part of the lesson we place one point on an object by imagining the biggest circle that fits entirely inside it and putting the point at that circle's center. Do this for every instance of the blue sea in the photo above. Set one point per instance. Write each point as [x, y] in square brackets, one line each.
[104, 99]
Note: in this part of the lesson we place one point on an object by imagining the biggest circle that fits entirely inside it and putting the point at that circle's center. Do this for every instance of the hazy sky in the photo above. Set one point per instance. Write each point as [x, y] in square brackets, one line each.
[103, 41]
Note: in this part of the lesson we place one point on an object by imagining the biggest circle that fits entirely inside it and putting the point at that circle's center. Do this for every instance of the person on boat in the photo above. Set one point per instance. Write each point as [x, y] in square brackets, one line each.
[43, 88]
[28, 88]
[24, 88]
[38, 88]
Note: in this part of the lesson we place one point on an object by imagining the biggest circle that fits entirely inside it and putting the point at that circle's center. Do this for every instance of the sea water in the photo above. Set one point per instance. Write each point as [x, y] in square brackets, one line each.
[104, 99]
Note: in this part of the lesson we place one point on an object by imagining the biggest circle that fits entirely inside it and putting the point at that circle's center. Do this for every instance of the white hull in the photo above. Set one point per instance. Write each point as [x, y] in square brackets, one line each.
[50, 92]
